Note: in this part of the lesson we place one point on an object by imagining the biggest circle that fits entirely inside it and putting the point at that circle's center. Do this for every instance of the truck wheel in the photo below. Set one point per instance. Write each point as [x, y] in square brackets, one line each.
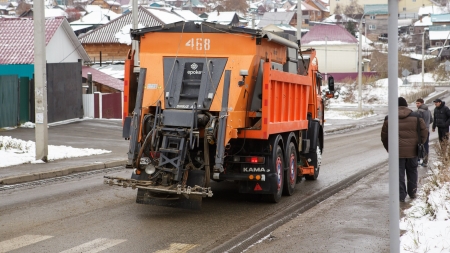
[277, 165]
[316, 162]
[290, 176]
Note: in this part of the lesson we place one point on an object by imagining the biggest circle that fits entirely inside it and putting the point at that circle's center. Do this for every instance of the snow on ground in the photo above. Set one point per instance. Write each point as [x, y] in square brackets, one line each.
[427, 221]
[15, 151]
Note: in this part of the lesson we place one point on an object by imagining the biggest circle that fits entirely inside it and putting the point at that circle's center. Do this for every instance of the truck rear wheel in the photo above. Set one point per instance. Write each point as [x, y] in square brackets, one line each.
[290, 176]
[277, 165]
[316, 161]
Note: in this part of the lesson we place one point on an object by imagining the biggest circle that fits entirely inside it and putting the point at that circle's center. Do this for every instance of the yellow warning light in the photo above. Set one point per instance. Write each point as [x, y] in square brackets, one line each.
[258, 177]
[250, 177]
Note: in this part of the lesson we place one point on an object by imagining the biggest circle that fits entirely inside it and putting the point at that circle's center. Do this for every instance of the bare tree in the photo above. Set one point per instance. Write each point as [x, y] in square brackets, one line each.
[353, 8]
[236, 5]
[22, 7]
[73, 14]
[338, 9]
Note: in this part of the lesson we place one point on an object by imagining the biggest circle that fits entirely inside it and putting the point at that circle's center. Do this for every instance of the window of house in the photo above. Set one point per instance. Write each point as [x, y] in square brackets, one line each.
[404, 8]
[439, 44]
[372, 16]
[411, 29]
[318, 14]
[372, 27]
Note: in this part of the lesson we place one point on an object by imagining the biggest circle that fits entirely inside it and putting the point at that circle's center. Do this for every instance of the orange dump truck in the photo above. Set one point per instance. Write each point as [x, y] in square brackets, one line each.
[220, 103]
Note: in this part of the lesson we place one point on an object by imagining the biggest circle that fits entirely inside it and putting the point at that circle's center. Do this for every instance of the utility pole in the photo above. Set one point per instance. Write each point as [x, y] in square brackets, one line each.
[423, 52]
[394, 196]
[360, 64]
[326, 60]
[135, 43]
[299, 23]
[253, 20]
[40, 83]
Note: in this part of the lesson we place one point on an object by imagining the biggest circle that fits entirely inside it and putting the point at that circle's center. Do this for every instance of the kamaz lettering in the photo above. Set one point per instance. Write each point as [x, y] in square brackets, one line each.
[253, 169]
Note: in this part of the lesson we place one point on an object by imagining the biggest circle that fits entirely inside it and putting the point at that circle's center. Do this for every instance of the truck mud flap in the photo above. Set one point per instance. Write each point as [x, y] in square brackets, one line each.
[259, 187]
[192, 202]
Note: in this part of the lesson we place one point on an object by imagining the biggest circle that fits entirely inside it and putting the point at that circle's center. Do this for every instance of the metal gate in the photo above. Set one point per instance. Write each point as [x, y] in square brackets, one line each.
[64, 91]
[9, 101]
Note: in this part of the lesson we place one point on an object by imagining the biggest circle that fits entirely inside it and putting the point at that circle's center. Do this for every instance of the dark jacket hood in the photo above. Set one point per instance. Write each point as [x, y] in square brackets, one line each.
[403, 112]
[424, 107]
[442, 104]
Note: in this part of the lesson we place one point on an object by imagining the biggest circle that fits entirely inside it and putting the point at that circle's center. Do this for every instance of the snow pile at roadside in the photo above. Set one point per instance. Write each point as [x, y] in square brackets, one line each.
[377, 93]
[331, 114]
[427, 221]
[14, 151]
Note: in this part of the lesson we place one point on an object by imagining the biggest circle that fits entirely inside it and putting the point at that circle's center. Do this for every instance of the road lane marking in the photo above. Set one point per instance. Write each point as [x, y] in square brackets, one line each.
[21, 241]
[178, 248]
[94, 246]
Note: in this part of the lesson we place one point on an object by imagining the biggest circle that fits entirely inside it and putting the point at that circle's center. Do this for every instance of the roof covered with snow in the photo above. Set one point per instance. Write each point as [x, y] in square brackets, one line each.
[307, 7]
[276, 18]
[52, 13]
[164, 16]
[187, 15]
[338, 18]
[333, 34]
[102, 78]
[107, 33]
[225, 17]
[96, 17]
[425, 21]
[433, 9]
[321, 5]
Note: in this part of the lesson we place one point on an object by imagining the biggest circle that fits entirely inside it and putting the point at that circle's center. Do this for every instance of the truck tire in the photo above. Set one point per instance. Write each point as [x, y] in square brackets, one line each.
[316, 161]
[290, 175]
[277, 165]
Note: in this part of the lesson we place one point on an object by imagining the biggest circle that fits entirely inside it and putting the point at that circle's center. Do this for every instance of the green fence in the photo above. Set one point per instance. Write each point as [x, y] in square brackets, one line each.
[9, 101]
[24, 100]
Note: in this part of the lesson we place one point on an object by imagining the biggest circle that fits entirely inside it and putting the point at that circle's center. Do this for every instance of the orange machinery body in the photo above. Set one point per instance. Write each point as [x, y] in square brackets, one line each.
[286, 97]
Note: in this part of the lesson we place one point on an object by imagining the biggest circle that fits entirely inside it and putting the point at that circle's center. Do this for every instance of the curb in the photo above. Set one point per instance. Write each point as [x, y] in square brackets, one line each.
[61, 172]
[352, 127]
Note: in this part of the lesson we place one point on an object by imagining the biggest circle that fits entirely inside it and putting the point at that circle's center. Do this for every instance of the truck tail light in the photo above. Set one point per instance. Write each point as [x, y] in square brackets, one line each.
[249, 159]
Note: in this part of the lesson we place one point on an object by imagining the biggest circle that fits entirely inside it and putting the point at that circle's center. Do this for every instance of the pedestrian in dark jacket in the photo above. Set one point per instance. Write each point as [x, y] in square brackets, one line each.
[423, 111]
[408, 141]
[441, 119]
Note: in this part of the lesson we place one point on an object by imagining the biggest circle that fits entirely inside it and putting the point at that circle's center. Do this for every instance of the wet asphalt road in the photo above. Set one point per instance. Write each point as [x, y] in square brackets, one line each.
[80, 213]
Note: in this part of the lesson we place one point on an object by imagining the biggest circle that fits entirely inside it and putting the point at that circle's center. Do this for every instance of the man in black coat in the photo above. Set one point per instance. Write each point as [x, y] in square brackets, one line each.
[441, 119]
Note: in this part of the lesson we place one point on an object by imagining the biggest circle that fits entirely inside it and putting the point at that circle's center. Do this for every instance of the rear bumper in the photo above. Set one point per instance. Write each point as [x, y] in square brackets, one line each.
[266, 186]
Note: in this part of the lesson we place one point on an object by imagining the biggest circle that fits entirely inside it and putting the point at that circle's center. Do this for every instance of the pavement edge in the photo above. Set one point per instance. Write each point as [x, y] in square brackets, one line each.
[61, 172]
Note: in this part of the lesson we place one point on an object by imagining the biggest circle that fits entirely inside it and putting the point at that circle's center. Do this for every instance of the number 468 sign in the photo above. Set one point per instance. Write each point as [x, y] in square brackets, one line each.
[199, 44]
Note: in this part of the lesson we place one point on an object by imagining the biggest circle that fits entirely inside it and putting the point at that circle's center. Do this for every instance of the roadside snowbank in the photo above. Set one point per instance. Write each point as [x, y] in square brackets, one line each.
[15, 151]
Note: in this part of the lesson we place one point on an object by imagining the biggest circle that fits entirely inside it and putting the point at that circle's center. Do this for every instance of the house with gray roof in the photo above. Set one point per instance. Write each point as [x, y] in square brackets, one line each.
[196, 6]
[104, 43]
[376, 21]
[223, 18]
[278, 18]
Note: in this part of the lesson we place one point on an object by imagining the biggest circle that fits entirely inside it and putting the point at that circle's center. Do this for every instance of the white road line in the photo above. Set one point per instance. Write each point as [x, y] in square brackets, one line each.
[94, 246]
[21, 241]
[177, 248]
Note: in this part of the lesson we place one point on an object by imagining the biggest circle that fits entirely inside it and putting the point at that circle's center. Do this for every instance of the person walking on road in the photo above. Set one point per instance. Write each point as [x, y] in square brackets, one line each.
[408, 141]
[423, 111]
[441, 119]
